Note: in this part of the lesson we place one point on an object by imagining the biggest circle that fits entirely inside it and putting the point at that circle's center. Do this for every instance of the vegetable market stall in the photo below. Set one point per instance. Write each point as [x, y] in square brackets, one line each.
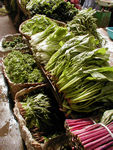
[74, 59]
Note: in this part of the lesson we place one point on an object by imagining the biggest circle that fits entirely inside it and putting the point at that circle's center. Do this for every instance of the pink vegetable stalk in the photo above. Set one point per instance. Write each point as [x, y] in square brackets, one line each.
[86, 129]
[105, 146]
[94, 144]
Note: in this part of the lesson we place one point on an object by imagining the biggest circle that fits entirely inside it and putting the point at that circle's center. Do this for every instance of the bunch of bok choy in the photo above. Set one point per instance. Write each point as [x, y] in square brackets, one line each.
[83, 75]
[46, 43]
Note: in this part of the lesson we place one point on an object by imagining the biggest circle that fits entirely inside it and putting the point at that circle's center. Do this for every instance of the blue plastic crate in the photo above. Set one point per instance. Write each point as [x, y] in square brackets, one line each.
[110, 32]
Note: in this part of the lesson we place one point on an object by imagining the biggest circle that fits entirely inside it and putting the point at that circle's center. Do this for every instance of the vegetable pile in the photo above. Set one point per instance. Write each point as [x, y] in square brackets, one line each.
[84, 23]
[37, 23]
[83, 75]
[92, 136]
[46, 43]
[16, 42]
[56, 9]
[22, 68]
[42, 114]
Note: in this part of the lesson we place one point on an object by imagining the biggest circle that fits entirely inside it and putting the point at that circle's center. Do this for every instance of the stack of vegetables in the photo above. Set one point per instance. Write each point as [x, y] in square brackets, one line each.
[42, 116]
[22, 68]
[37, 23]
[56, 9]
[80, 68]
[89, 135]
[84, 23]
[82, 74]
[46, 43]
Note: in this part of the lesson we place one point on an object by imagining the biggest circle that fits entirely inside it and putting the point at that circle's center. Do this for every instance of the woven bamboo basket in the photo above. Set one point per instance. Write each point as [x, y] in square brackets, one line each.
[10, 37]
[32, 138]
[14, 87]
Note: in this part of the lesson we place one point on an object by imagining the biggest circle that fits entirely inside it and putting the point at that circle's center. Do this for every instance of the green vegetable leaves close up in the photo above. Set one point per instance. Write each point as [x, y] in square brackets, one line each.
[22, 68]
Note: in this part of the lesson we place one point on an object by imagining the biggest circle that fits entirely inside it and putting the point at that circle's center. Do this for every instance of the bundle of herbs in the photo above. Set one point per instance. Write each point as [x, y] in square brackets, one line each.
[46, 43]
[56, 9]
[42, 115]
[22, 68]
[85, 23]
[83, 75]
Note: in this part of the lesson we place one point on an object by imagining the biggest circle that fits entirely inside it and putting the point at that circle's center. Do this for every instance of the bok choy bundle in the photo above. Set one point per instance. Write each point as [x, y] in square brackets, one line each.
[83, 75]
[44, 46]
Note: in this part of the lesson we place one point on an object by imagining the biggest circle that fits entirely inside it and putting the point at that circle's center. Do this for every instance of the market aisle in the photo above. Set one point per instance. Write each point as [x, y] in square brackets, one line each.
[10, 138]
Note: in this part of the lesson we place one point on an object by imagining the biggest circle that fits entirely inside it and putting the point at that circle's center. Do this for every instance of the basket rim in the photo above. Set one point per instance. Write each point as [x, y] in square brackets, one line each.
[4, 38]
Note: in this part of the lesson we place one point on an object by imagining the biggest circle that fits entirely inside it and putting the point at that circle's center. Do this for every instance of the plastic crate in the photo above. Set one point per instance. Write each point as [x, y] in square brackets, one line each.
[110, 32]
[103, 18]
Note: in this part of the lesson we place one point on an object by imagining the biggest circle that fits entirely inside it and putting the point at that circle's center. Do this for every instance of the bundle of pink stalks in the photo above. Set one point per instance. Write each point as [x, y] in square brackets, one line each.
[77, 124]
[92, 137]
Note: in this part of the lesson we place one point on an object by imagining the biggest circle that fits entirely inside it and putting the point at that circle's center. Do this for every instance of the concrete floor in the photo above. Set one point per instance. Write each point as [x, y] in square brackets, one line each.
[10, 138]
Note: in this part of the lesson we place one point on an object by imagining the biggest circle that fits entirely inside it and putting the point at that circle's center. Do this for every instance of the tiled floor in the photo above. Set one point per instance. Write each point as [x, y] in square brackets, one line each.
[10, 138]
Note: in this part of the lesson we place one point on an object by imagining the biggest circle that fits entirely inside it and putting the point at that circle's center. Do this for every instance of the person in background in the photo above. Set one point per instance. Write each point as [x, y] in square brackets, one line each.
[75, 2]
[91, 3]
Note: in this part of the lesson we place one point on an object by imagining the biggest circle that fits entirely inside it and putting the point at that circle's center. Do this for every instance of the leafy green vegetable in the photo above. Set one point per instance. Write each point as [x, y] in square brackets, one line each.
[56, 9]
[15, 43]
[24, 3]
[107, 117]
[37, 110]
[82, 74]
[39, 37]
[22, 68]
[85, 23]
[36, 24]
[41, 113]
[48, 46]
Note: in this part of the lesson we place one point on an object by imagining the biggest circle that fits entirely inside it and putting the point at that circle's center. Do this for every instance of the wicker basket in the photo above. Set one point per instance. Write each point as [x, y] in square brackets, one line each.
[10, 37]
[14, 87]
[30, 137]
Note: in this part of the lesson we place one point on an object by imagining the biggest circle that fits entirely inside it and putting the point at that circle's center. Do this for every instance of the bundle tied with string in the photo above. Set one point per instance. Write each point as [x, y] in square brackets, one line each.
[93, 136]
